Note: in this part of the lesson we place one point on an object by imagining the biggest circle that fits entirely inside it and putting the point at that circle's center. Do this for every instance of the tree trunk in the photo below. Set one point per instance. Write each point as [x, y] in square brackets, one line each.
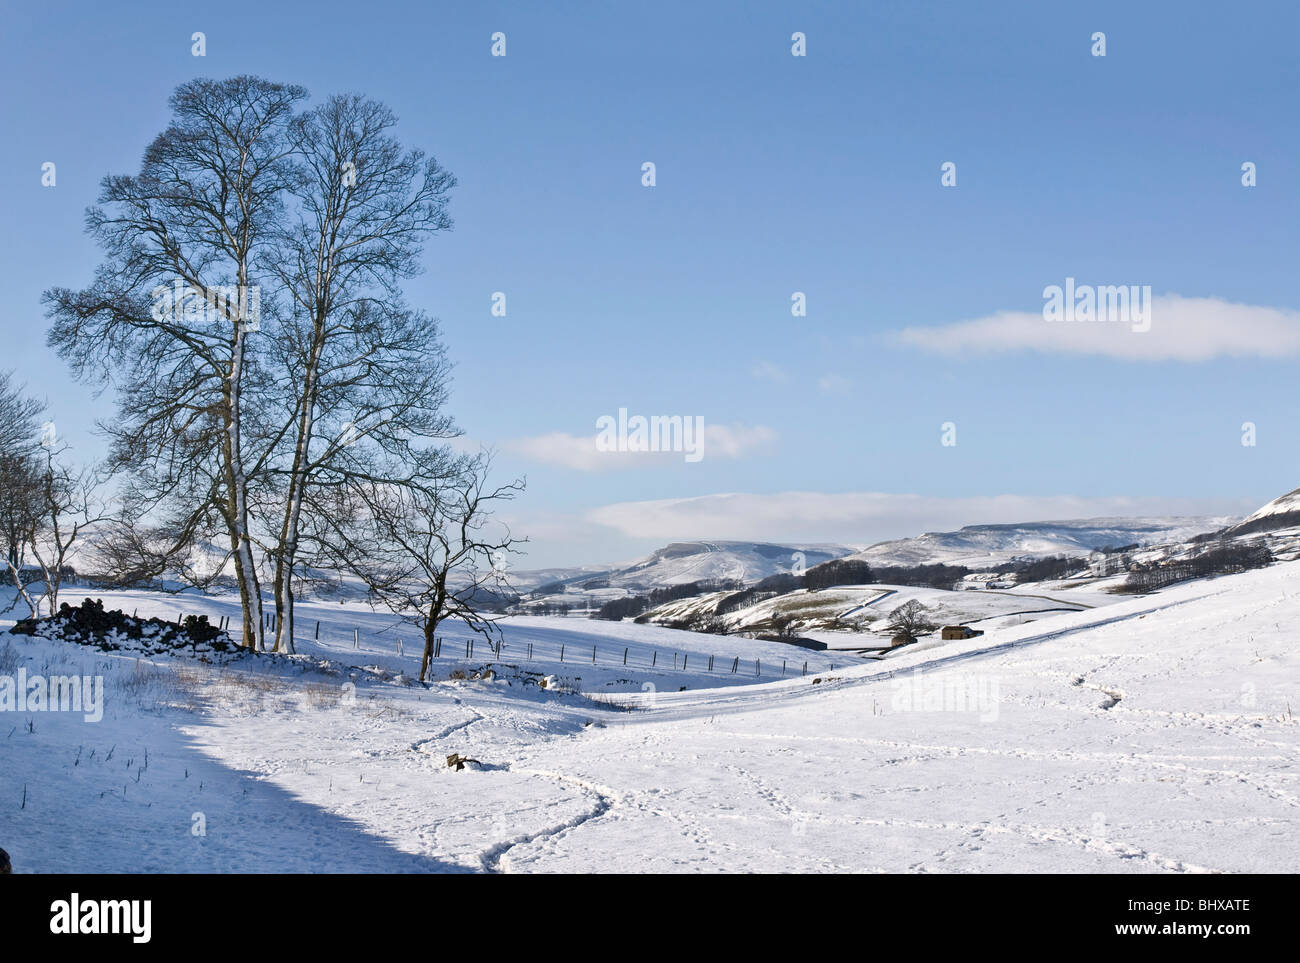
[288, 549]
[16, 572]
[430, 630]
[283, 607]
[250, 591]
[298, 475]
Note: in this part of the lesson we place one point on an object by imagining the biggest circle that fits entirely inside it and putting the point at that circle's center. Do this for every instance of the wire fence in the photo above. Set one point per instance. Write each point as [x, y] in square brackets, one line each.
[635, 655]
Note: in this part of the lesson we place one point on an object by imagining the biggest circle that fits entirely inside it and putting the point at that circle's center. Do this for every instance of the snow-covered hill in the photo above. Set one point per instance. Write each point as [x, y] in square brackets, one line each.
[975, 546]
[675, 564]
[740, 561]
[1281, 513]
[1157, 734]
[979, 546]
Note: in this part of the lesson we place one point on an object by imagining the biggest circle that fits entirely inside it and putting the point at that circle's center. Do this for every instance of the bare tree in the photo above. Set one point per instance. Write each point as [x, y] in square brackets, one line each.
[366, 372]
[911, 618]
[168, 317]
[274, 442]
[127, 552]
[783, 626]
[67, 506]
[20, 501]
[20, 417]
[46, 506]
[430, 553]
[20, 485]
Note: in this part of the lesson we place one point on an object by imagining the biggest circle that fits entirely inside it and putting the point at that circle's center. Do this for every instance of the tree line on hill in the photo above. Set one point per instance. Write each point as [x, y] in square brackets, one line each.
[829, 575]
[1042, 569]
[630, 606]
[1225, 558]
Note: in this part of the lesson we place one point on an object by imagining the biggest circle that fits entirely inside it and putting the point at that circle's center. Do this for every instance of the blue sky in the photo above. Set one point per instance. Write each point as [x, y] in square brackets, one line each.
[775, 174]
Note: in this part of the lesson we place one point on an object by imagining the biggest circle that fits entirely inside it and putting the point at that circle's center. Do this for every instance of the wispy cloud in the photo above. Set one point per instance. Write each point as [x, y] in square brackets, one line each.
[872, 516]
[735, 441]
[559, 448]
[1182, 329]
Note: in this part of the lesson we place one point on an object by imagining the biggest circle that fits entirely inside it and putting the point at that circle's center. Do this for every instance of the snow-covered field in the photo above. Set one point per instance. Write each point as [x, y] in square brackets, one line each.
[1152, 734]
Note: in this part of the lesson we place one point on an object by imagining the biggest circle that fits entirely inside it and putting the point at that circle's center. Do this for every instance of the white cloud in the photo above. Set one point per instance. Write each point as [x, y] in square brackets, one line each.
[579, 452]
[864, 517]
[1182, 329]
[560, 448]
[734, 441]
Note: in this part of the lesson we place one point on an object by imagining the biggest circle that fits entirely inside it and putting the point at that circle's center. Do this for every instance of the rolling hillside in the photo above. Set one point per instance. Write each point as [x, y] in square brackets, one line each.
[1154, 735]
[977, 546]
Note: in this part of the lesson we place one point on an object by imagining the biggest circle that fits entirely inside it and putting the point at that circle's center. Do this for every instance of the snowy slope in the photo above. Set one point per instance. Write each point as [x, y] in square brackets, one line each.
[1279, 515]
[979, 546]
[675, 564]
[1156, 734]
[744, 561]
[681, 562]
[975, 546]
[855, 616]
[1282, 505]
